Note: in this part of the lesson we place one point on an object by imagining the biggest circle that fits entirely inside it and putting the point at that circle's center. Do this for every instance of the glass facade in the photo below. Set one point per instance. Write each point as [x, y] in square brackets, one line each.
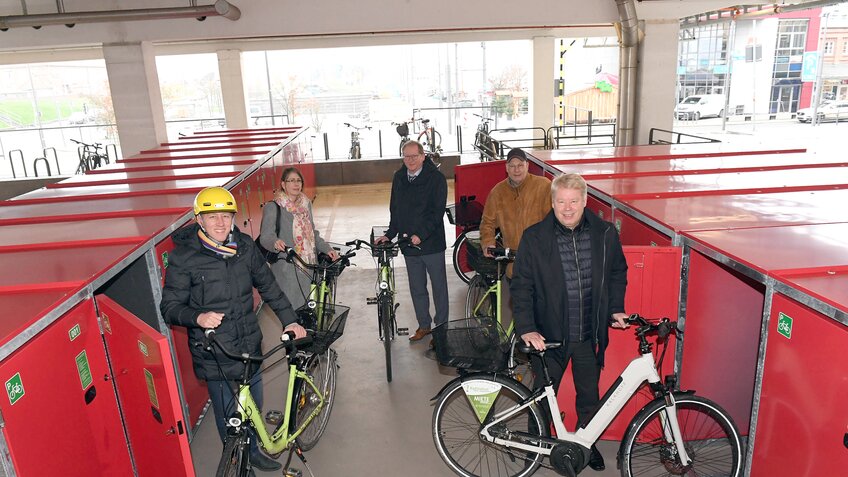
[702, 60]
[788, 58]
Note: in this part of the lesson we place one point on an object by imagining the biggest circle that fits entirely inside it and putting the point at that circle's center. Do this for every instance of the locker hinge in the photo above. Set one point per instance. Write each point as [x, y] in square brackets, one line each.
[2, 421]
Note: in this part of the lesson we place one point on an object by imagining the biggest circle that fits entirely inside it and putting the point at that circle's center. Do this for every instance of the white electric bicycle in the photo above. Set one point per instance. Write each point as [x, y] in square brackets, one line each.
[488, 424]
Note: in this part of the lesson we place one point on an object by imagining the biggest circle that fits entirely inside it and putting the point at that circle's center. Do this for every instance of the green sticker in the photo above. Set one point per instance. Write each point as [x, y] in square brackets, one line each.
[653, 244]
[784, 325]
[83, 369]
[74, 332]
[601, 214]
[151, 389]
[481, 395]
[15, 388]
[618, 225]
[143, 348]
[105, 321]
[164, 259]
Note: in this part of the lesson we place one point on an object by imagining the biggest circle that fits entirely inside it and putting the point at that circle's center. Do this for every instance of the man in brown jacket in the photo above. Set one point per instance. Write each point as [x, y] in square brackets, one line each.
[515, 203]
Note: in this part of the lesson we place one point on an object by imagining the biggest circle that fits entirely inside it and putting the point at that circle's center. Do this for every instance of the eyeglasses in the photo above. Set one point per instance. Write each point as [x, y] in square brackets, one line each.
[294, 181]
[411, 156]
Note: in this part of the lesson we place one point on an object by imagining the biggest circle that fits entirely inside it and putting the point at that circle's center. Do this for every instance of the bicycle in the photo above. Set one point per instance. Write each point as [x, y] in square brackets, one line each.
[430, 138]
[322, 288]
[385, 291]
[487, 423]
[355, 151]
[483, 142]
[466, 215]
[309, 400]
[90, 157]
[403, 131]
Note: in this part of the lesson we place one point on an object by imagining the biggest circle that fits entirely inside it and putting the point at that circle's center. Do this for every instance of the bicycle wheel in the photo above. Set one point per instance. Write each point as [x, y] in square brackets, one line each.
[460, 257]
[322, 369]
[709, 435]
[478, 301]
[234, 460]
[456, 430]
[386, 325]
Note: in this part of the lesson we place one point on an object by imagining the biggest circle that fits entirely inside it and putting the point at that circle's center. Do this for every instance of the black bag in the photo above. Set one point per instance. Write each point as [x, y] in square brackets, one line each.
[271, 256]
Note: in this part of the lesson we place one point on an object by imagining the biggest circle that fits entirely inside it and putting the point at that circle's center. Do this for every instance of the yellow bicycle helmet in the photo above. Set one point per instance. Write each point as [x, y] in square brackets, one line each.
[214, 199]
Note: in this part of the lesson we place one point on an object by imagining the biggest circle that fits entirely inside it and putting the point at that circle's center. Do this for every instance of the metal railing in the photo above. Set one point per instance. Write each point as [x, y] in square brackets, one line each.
[677, 138]
[581, 128]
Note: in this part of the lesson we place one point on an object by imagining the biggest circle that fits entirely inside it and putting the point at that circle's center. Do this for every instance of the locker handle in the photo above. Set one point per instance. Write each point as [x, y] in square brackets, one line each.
[845, 440]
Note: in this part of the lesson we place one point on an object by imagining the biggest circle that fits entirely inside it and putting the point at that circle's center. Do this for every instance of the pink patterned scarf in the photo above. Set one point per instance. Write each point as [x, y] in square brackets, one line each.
[302, 229]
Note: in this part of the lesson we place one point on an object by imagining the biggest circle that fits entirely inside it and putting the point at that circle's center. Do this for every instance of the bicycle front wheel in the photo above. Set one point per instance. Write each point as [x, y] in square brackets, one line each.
[709, 437]
[386, 320]
[322, 369]
[460, 258]
[478, 301]
[234, 459]
[456, 429]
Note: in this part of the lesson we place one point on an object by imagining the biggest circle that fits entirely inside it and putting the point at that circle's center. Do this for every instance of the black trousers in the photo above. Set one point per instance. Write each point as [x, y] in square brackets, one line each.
[585, 371]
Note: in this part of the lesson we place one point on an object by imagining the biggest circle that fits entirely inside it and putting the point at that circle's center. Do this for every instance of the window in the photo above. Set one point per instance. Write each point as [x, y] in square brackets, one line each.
[828, 48]
[845, 47]
[753, 53]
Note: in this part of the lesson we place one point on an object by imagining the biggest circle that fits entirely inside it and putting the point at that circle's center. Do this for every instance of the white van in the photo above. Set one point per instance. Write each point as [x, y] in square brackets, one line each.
[700, 106]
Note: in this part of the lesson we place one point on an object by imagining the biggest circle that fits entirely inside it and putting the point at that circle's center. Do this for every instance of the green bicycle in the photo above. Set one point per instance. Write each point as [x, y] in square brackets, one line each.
[322, 288]
[309, 398]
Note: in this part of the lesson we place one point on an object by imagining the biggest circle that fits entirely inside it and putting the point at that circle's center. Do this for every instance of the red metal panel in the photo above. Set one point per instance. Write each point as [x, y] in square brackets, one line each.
[29, 302]
[259, 132]
[256, 152]
[656, 151]
[147, 387]
[111, 203]
[170, 165]
[65, 420]
[635, 232]
[45, 196]
[195, 392]
[802, 423]
[137, 228]
[121, 174]
[599, 207]
[653, 276]
[58, 265]
[164, 214]
[723, 316]
[194, 140]
[828, 284]
[227, 145]
[105, 179]
[477, 179]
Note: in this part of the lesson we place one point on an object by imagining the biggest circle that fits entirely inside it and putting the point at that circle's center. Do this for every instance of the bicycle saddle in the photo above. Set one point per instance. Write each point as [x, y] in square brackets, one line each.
[531, 350]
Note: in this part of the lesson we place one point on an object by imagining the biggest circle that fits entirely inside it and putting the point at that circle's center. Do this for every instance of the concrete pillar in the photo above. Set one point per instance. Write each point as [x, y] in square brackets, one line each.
[232, 88]
[542, 107]
[657, 78]
[134, 82]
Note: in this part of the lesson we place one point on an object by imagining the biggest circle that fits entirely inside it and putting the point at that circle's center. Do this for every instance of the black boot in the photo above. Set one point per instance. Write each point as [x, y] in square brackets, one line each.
[263, 462]
[596, 460]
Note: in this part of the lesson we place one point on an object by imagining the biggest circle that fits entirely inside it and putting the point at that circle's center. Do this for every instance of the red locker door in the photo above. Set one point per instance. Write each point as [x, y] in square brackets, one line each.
[147, 388]
[60, 411]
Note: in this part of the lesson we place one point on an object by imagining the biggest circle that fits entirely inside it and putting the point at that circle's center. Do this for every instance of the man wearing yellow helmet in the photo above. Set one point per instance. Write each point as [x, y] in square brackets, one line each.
[209, 285]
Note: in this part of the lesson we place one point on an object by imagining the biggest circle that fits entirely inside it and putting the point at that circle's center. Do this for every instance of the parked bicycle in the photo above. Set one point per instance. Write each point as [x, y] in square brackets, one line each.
[483, 142]
[385, 290]
[430, 138]
[466, 215]
[355, 151]
[90, 157]
[403, 131]
[487, 423]
[309, 400]
[322, 288]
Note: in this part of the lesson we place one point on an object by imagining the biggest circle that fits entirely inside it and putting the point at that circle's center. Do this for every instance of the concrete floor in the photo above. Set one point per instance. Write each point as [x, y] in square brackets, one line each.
[376, 428]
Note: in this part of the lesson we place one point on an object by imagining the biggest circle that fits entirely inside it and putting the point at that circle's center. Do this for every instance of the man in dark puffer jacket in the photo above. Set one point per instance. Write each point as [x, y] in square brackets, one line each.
[568, 285]
[209, 285]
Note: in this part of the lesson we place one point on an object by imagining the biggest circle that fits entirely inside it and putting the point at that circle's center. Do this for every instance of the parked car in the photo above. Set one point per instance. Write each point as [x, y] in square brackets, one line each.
[828, 111]
[700, 106]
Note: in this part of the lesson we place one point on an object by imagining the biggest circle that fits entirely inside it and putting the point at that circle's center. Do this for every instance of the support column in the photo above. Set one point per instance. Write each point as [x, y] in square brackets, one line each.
[657, 79]
[134, 83]
[542, 107]
[232, 88]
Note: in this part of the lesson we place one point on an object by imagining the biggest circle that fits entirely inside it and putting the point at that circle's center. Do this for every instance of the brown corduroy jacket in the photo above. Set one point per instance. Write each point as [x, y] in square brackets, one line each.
[513, 209]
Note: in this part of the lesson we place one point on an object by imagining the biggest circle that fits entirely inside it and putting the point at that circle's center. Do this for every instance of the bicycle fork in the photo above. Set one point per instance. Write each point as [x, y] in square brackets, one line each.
[671, 429]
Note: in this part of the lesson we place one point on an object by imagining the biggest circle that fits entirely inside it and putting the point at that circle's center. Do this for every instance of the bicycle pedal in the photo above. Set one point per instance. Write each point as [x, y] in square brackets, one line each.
[274, 417]
[371, 300]
[292, 472]
[402, 331]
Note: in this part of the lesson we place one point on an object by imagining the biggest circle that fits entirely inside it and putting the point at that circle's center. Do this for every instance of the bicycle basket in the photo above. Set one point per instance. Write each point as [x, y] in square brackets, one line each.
[377, 250]
[328, 327]
[474, 254]
[472, 343]
[403, 129]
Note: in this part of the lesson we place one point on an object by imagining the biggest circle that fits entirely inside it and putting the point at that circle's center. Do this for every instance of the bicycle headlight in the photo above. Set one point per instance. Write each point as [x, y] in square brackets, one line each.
[384, 285]
[311, 304]
[234, 422]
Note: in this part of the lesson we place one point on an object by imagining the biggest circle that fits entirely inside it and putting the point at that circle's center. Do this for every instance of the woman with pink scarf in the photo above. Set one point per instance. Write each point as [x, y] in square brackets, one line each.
[297, 230]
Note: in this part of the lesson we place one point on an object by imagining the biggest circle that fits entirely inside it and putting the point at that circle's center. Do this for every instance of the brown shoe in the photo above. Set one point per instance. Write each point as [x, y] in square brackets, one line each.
[420, 333]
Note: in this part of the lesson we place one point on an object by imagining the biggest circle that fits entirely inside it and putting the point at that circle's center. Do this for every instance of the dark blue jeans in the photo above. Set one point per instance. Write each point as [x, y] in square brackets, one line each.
[224, 403]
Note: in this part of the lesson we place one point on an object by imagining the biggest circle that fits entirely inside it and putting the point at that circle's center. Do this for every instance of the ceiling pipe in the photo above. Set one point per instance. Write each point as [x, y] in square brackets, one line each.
[628, 47]
[221, 8]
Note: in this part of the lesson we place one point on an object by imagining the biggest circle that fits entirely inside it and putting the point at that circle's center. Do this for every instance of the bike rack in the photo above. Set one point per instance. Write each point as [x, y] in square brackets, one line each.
[55, 159]
[35, 166]
[12, 162]
[500, 144]
[679, 136]
[108, 155]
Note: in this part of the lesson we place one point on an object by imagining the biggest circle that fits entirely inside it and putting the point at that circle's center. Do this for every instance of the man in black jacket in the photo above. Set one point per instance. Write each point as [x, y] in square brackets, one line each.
[209, 285]
[568, 285]
[417, 207]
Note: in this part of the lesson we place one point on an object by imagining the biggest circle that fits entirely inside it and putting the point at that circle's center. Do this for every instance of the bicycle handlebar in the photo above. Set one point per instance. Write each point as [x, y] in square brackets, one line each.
[401, 242]
[663, 328]
[96, 145]
[291, 256]
[502, 253]
[287, 339]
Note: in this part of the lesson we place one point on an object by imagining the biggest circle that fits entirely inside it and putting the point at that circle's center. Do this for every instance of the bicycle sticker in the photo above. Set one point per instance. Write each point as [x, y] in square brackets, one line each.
[84, 370]
[15, 388]
[481, 395]
[74, 332]
[151, 389]
[143, 348]
[784, 325]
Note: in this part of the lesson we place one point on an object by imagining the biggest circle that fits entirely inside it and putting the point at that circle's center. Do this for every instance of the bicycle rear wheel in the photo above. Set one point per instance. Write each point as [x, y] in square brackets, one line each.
[322, 369]
[709, 435]
[456, 428]
[386, 321]
[460, 257]
[234, 459]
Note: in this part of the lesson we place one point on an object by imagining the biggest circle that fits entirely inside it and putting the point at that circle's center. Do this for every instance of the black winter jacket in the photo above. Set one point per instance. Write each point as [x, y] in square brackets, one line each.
[198, 280]
[418, 208]
[538, 283]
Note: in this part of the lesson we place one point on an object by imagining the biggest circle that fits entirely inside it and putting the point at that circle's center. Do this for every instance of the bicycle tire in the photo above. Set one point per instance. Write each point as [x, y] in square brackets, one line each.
[429, 145]
[460, 258]
[478, 301]
[704, 426]
[456, 430]
[386, 320]
[322, 368]
[234, 462]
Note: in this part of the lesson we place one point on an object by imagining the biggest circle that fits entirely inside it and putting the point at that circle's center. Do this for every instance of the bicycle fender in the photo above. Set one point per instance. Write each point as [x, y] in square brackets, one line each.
[635, 419]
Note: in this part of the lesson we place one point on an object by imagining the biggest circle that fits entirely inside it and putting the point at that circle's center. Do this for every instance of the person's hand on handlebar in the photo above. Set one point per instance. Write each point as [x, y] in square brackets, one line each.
[415, 240]
[299, 331]
[620, 320]
[280, 246]
[381, 239]
[486, 252]
[534, 339]
[210, 319]
[333, 254]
